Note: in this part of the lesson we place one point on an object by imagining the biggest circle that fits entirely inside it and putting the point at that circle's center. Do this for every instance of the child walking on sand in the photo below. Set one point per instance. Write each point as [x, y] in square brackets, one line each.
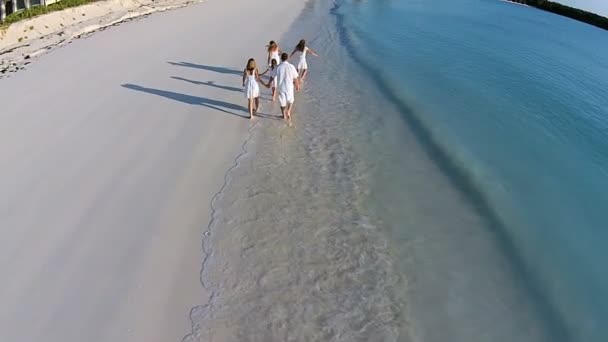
[302, 65]
[273, 52]
[272, 73]
[252, 89]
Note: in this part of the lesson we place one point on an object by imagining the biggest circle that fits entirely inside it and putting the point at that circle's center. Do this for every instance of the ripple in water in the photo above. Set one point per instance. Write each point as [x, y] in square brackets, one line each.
[345, 228]
[292, 255]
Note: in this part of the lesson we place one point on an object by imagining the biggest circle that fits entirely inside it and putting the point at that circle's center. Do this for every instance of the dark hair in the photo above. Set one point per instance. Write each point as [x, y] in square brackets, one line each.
[301, 45]
[273, 62]
[250, 65]
[284, 56]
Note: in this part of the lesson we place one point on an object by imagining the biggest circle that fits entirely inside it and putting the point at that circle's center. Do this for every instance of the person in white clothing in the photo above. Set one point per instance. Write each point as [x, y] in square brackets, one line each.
[252, 89]
[287, 77]
[273, 52]
[272, 73]
[302, 50]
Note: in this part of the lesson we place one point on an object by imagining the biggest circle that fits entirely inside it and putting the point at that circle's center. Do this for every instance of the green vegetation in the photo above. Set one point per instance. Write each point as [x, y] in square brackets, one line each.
[39, 10]
[567, 11]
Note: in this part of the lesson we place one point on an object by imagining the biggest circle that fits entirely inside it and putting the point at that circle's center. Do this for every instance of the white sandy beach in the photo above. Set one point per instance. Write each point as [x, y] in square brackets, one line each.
[111, 149]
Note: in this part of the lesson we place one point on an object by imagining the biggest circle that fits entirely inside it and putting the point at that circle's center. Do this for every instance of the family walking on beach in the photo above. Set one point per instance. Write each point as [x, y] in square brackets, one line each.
[284, 80]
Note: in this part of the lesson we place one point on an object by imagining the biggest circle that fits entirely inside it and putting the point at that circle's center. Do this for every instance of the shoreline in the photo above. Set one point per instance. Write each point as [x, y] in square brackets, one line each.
[573, 13]
[515, 3]
[285, 262]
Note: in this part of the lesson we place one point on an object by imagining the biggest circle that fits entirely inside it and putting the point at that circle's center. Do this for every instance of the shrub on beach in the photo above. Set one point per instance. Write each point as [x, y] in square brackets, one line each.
[39, 10]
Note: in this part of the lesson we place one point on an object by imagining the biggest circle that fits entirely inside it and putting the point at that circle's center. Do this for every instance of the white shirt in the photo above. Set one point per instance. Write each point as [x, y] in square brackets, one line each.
[286, 74]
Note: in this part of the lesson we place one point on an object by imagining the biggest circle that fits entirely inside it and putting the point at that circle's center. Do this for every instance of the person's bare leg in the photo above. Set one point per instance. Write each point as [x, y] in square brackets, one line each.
[299, 84]
[250, 107]
[274, 93]
[284, 112]
[303, 76]
[257, 105]
[289, 107]
[288, 112]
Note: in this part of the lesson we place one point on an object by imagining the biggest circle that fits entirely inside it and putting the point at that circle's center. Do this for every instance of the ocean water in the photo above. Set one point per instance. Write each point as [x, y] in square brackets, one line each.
[446, 180]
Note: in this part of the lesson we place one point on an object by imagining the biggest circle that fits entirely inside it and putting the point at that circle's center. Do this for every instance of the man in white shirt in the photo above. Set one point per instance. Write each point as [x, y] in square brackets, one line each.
[287, 76]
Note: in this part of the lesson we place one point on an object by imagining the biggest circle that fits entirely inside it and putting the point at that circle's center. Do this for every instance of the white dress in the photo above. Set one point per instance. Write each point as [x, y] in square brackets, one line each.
[302, 64]
[273, 75]
[252, 89]
[274, 55]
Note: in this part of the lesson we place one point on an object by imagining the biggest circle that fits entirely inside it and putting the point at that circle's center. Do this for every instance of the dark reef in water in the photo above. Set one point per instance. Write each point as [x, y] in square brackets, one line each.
[567, 11]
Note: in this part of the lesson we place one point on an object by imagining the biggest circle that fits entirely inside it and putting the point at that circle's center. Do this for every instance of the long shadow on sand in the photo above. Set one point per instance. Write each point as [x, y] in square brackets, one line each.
[214, 85]
[221, 106]
[220, 70]
[209, 83]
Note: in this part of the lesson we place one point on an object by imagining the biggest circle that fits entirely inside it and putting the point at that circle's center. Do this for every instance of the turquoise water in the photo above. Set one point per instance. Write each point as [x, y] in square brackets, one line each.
[513, 103]
[445, 180]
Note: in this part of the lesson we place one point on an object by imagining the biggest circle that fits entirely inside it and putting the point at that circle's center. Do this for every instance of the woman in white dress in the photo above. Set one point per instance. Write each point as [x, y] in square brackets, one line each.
[302, 50]
[252, 89]
[272, 73]
[273, 52]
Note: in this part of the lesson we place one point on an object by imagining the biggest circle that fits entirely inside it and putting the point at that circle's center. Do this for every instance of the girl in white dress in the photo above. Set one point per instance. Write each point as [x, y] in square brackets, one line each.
[302, 50]
[252, 89]
[273, 52]
[272, 73]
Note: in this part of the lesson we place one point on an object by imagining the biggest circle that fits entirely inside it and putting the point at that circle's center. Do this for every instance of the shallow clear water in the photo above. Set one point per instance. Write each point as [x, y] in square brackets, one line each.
[516, 101]
[445, 181]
